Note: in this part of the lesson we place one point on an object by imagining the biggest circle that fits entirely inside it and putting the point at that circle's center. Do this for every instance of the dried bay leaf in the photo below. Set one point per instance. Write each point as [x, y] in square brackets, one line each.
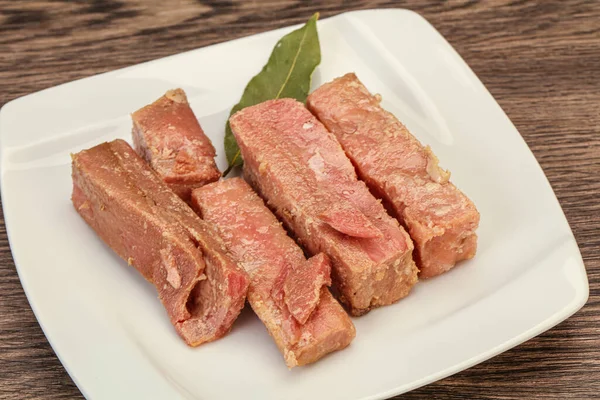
[287, 74]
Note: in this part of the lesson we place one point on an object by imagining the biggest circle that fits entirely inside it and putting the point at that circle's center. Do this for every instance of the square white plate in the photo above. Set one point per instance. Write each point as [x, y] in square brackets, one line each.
[111, 332]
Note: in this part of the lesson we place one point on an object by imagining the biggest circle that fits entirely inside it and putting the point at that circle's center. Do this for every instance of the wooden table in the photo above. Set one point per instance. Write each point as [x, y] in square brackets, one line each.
[540, 60]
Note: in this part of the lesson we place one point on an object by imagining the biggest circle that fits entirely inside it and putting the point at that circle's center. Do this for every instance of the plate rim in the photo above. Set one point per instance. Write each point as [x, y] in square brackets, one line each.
[581, 291]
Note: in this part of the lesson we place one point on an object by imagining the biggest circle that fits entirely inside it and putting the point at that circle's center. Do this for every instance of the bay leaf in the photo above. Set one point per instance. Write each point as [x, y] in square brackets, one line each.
[287, 74]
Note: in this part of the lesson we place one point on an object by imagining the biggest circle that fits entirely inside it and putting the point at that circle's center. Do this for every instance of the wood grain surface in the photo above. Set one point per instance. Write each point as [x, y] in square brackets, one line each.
[540, 60]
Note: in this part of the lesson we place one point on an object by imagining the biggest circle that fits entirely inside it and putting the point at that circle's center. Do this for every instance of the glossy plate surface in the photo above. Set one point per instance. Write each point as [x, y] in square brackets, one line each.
[107, 325]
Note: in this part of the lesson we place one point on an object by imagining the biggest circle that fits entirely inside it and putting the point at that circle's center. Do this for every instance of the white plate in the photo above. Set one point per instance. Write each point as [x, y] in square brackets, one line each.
[111, 332]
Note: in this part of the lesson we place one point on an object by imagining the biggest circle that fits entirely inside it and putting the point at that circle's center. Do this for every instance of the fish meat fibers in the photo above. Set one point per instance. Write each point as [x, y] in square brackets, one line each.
[301, 170]
[146, 224]
[288, 292]
[397, 168]
[168, 136]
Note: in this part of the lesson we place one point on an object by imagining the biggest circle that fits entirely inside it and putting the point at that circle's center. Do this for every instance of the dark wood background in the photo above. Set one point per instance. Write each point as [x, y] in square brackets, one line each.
[540, 60]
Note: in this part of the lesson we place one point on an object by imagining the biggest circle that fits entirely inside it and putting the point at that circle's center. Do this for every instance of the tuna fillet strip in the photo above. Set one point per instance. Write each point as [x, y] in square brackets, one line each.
[168, 136]
[440, 218]
[147, 225]
[287, 292]
[303, 173]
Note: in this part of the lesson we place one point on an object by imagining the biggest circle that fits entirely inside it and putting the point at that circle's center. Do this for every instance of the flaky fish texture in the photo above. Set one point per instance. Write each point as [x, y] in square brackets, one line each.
[146, 224]
[303, 173]
[168, 136]
[440, 218]
[288, 292]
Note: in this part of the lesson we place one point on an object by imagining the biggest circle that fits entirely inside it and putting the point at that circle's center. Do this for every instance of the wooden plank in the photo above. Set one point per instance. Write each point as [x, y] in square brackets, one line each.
[540, 60]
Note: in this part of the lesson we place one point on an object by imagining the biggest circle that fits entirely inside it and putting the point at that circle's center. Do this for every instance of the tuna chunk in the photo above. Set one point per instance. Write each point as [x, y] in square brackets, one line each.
[287, 292]
[303, 173]
[168, 136]
[147, 225]
[405, 174]
[302, 286]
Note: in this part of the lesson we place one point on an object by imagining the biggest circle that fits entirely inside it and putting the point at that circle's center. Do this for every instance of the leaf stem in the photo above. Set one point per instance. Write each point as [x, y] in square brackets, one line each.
[293, 66]
[232, 164]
